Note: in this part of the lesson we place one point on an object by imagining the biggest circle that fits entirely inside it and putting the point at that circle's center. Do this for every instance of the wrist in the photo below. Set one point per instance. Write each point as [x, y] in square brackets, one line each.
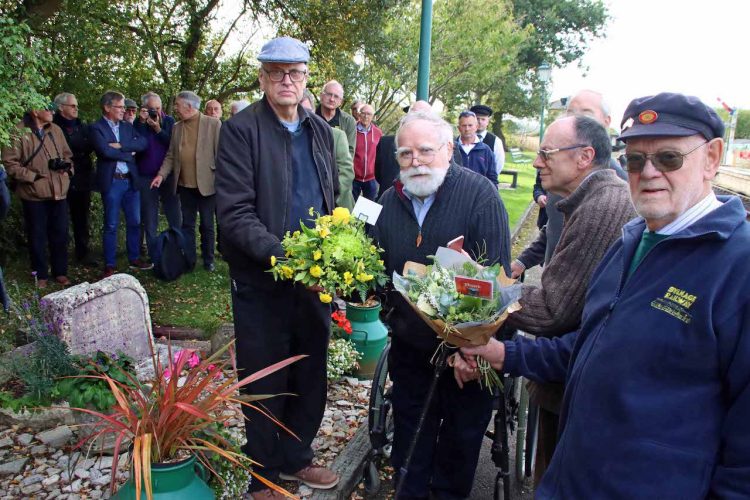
[520, 264]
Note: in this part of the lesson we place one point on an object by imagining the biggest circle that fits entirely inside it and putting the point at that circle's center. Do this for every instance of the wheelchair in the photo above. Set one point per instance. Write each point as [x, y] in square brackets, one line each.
[514, 418]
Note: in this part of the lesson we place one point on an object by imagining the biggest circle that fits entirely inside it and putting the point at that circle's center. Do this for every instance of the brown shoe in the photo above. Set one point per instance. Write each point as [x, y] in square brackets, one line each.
[62, 280]
[41, 283]
[108, 271]
[140, 265]
[266, 494]
[314, 476]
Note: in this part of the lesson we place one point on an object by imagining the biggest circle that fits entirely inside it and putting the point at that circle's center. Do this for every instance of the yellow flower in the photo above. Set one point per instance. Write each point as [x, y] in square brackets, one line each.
[323, 232]
[325, 220]
[287, 271]
[316, 271]
[381, 262]
[273, 260]
[288, 253]
[296, 234]
[311, 211]
[317, 254]
[341, 215]
[348, 278]
[372, 249]
[363, 277]
[325, 298]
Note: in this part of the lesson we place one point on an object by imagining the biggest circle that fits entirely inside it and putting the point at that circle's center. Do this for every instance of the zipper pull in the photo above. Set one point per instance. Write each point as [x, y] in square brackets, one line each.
[419, 238]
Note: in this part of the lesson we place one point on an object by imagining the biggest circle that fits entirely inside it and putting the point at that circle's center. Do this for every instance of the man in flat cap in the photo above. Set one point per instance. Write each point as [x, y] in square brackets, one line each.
[276, 160]
[657, 379]
[496, 145]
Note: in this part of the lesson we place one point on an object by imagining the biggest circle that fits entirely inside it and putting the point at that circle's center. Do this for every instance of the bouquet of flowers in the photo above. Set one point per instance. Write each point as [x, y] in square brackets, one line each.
[335, 255]
[462, 301]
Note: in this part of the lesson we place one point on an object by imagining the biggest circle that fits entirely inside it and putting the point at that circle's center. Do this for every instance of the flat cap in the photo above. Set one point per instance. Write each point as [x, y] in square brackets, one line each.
[130, 103]
[284, 50]
[670, 115]
[482, 110]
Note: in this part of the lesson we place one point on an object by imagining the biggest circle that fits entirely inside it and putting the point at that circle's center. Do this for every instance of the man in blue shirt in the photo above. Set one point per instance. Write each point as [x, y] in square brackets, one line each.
[475, 154]
[657, 382]
[116, 142]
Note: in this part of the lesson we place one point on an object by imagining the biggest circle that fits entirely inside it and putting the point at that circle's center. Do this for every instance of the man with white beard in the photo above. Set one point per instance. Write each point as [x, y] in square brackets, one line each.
[434, 202]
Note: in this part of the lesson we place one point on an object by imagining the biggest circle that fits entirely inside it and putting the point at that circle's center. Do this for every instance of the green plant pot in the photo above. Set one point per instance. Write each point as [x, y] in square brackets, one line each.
[369, 336]
[178, 481]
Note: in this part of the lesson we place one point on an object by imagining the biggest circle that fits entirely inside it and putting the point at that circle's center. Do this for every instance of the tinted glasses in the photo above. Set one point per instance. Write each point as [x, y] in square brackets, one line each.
[663, 161]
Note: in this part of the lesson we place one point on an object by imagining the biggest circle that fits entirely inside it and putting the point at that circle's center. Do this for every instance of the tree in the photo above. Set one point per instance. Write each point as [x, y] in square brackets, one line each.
[21, 77]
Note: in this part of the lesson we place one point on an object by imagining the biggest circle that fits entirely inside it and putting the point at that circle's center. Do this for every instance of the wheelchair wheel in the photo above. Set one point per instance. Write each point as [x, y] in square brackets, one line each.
[528, 425]
[380, 426]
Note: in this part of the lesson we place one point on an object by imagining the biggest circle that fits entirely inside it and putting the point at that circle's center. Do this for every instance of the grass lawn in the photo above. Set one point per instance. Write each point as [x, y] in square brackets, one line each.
[197, 300]
[516, 200]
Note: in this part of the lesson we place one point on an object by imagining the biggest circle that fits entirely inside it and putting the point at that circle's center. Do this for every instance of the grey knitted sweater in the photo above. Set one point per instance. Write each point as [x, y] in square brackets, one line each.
[593, 218]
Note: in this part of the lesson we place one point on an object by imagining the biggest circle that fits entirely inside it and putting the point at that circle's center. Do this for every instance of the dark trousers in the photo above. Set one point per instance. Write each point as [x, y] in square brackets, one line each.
[170, 205]
[546, 443]
[368, 189]
[193, 203]
[447, 451]
[79, 203]
[271, 323]
[47, 226]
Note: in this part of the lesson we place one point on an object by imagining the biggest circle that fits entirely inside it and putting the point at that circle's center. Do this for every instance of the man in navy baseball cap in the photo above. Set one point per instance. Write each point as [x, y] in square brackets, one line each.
[657, 382]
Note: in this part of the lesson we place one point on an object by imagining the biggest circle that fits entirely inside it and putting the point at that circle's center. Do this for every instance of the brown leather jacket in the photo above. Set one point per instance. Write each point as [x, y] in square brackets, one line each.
[33, 179]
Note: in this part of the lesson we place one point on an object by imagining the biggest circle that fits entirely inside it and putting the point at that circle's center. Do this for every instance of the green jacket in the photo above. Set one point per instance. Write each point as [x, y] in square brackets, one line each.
[346, 169]
[349, 125]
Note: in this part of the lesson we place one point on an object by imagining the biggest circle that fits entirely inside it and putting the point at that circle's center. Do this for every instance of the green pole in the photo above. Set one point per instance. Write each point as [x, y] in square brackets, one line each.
[425, 40]
[541, 122]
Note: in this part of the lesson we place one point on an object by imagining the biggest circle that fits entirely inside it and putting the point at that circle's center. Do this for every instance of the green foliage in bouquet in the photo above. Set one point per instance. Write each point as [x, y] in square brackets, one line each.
[435, 294]
[335, 255]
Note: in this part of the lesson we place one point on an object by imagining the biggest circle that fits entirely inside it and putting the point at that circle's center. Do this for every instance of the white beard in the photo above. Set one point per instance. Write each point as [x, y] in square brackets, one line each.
[423, 187]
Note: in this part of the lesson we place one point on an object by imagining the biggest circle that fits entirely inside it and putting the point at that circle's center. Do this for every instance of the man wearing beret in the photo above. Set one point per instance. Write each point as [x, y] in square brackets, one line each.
[496, 145]
[657, 394]
[276, 160]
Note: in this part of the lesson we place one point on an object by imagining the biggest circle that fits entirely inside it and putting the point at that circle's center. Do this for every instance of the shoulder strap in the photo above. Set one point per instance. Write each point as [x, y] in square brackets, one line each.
[36, 152]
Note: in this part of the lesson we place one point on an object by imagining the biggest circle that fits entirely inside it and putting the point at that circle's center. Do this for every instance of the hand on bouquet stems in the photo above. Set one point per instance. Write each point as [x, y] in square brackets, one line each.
[462, 371]
[493, 352]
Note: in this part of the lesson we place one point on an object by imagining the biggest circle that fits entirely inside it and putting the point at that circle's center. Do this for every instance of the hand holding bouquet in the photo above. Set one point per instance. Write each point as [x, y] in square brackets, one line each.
[463, 302]
[335, 255]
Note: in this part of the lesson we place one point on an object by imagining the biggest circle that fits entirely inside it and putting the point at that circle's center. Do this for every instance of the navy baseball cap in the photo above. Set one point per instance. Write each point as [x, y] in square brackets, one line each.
[481, 110]
[284, 49]
[670, 115]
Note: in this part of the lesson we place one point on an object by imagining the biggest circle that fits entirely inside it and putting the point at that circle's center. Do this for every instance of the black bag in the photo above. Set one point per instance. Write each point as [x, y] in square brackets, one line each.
[171, 259]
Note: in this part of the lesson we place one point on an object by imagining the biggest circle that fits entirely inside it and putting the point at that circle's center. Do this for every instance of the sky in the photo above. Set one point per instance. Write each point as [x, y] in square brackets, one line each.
[652, 46]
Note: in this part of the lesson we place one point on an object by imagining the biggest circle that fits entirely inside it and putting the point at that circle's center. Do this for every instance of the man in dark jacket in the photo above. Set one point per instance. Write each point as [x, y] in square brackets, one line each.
[116, 143]
[156, 126]
[276, 160]
[475, 154]
[657, 383]
[434, 202]
[79, 195]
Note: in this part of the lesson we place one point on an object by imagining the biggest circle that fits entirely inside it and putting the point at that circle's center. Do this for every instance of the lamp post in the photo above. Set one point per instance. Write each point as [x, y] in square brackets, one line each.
[425, 42]
[544, 73]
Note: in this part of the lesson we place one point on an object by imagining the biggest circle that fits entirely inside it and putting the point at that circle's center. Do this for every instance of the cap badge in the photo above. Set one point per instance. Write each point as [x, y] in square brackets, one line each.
[647, 117]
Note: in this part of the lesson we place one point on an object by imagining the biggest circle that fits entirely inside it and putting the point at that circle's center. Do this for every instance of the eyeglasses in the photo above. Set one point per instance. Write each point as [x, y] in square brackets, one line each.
[117, 107]
[365, 113]
[547, 153]
[425, 156]
[663, 161]
[335, 97]
[277, 75]
[74, 106]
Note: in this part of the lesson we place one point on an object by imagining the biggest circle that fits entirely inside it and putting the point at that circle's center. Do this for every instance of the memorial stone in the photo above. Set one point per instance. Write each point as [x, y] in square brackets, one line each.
[111, 315]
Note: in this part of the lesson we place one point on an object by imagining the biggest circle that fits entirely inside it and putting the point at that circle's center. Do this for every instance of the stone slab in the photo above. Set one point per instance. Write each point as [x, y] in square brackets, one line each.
[111, 315]
[349, 464]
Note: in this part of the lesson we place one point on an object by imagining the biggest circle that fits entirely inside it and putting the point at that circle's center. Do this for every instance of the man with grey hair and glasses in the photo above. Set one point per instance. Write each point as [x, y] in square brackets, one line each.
[77, 135]
[329, 109]
[275, 162]
[433, 202]
[190, 158]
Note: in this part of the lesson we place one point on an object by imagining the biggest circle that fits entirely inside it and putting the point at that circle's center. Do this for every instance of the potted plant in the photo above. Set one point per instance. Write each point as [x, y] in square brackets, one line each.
[173, 421]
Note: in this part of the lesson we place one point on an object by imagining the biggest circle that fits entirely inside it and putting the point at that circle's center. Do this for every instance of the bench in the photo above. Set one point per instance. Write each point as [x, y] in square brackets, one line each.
[518, 157]
[514, 173]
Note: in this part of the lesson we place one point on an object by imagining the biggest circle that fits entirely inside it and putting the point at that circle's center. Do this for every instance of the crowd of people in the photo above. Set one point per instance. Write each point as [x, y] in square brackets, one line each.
[639, 361]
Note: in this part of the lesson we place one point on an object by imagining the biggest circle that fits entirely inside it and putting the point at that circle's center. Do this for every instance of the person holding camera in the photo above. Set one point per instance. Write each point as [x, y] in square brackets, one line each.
[40, 164]
[156, 127]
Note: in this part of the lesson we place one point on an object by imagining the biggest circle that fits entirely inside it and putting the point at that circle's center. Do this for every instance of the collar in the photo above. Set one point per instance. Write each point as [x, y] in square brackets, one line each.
[361, 128]
[477, 140]
[708, 204]
[111, 123]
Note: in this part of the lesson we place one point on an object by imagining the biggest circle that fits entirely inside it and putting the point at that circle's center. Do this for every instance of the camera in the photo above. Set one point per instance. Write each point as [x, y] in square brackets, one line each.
[56, 164]
[152, 114]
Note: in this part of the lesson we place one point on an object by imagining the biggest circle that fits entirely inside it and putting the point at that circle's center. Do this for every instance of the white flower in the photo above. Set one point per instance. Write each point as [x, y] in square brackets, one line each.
[423, 304]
